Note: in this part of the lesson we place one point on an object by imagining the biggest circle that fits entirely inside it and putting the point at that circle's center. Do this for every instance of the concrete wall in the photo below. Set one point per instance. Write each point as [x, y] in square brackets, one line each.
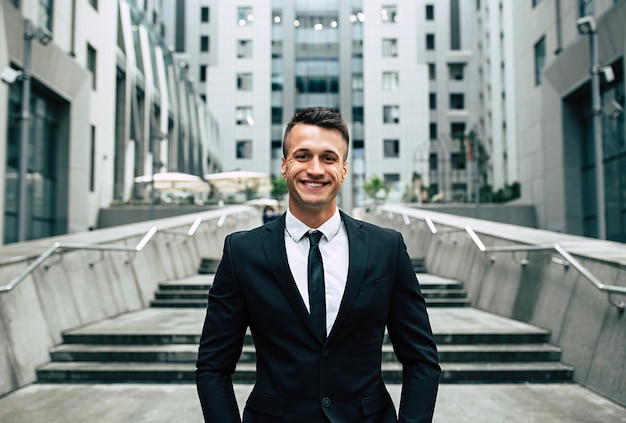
[79, 286]
[541, 292]
[516, 214]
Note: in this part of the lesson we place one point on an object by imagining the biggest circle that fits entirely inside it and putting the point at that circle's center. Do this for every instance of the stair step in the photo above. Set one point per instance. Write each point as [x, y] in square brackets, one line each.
[184, 287]
[202, 303]
[448, 302]
[187, 353]
[98, 372]
[164, 339]
[131, 338]
[200, 291]
[506, 372]
[208, 265]
[201, 294]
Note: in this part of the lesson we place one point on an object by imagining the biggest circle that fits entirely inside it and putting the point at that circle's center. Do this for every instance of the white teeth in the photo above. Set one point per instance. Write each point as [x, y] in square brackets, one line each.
[314, 184]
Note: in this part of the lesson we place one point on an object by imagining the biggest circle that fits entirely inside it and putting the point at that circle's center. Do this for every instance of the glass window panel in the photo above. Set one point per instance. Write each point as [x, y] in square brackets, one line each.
[391, 114]
[244, 149]
[391, 81]
[244, 15]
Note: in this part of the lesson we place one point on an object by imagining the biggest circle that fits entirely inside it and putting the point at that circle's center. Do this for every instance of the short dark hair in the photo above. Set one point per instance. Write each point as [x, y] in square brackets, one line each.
[318, 116]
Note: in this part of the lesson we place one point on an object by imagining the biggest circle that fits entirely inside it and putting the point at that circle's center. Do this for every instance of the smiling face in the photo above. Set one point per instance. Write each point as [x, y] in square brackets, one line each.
[314, 166]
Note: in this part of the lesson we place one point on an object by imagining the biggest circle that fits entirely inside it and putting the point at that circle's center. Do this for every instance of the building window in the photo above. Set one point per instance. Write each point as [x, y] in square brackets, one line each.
[433, 131]
[357, 82]
[456, 71]
[203, 69]
[244, 15]
[204, 43]
[389, 13]
[277, 17]
[277, 82]
[277, 115]
[432, 71]
[392, 180]
[317, 84]
[92, 58]
[432, 101]
[391, 114]
[391, 81]
[540, 59]
[357, 49]
[357, 114]
[433, 161]
[457, 161]
[390, 47]
[586, 8]
[204, 14]
[455, 25]
[243, 116]
[94, 4]
[244, 82]
[244, 49]
[457, 130]
[277, 49]
[45, 14]
[430, 12]
[244, 149]
[391, 148]
[457, 101]
[92, 161]
[430, 41]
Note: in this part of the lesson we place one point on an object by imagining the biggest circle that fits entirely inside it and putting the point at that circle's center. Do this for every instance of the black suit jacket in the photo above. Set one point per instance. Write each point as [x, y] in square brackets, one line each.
[299, 378]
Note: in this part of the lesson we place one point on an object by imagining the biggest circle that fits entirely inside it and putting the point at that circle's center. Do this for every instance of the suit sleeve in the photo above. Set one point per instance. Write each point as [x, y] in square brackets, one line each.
[221, 343]
[412, 338]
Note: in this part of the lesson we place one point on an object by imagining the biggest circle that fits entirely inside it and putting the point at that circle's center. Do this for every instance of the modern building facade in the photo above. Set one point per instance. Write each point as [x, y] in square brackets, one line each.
[262, 61]
[555, 118]
[106, 106]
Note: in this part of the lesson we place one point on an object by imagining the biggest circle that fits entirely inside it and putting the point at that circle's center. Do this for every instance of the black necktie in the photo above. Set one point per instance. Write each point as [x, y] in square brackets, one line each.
[317, 295]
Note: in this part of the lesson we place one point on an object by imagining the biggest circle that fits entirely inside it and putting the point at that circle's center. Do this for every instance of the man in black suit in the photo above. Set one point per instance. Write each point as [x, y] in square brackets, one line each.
[311, 370]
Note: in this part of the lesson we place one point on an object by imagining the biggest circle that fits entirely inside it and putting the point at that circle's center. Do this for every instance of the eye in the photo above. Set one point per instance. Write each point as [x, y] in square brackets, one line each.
[300, 156]
[330, 159]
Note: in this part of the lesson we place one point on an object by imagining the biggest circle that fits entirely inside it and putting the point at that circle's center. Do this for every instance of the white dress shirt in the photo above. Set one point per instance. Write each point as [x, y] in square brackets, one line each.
[335, 254]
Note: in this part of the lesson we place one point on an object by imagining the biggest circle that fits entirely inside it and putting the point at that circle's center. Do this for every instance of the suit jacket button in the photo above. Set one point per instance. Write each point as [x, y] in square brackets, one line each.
[325, 402]
[325, 352]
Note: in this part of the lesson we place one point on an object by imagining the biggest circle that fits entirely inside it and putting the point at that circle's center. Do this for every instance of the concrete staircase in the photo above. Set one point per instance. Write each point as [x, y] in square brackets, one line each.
[160, 344]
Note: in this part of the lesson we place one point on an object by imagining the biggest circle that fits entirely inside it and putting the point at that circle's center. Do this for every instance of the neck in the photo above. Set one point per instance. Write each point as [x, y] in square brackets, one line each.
[313, 218]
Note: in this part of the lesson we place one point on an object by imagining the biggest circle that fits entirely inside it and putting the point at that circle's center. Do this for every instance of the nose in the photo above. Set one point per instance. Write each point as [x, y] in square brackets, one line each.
[315, 167]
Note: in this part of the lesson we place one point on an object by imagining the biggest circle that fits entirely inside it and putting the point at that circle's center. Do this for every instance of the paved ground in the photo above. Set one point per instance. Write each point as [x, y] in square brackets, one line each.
[148, 403]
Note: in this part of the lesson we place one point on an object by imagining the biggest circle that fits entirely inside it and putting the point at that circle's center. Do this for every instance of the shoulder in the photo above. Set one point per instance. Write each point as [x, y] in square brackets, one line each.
[251, 235]
[381, 233]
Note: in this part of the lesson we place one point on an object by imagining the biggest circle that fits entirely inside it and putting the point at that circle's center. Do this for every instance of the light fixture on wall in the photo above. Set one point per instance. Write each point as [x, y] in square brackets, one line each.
[10, 75]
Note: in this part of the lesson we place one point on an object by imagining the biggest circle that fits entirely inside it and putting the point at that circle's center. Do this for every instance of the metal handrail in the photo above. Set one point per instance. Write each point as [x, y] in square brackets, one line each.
[76, 246]
[587, 274]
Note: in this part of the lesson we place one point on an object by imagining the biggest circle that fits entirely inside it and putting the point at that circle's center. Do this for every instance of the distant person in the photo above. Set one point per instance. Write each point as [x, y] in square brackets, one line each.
[269, 214]
[318, 357]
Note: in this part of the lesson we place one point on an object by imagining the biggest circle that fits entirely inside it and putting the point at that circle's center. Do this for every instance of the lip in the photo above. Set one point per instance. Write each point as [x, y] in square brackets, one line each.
[314, 184]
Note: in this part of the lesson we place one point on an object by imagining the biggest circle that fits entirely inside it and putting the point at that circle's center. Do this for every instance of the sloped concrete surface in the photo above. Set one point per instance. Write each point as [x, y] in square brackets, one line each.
[149, 403]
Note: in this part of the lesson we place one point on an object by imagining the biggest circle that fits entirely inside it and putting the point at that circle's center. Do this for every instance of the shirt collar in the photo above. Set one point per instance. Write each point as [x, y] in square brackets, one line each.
[296, 229]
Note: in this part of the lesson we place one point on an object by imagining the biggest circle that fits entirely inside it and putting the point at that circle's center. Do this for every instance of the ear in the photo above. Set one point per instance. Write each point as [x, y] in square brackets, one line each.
[282, 167]
[345, 170]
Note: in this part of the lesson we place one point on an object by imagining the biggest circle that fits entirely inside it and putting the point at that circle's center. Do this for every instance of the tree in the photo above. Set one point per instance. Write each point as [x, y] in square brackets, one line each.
[279, 188]
[375, 188]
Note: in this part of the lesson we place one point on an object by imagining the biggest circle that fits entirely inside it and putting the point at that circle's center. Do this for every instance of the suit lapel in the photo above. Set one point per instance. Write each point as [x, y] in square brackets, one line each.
[276, 255]
[358, 240]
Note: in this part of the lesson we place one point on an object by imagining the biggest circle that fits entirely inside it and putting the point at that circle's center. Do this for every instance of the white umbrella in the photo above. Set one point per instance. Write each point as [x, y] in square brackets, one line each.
[239, 180]
[175, 182]
[262, 202]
